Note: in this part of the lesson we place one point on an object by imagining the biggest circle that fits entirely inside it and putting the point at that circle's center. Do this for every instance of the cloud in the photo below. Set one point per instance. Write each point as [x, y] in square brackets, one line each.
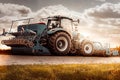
[106, 13]
[9, 12]
[101, 0]
[105, 19]
[53, 11]
[106, 10]
[56, 10]
[8, 9]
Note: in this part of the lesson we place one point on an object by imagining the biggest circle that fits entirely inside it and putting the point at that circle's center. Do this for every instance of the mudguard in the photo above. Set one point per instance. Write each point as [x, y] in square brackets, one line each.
[54, 30]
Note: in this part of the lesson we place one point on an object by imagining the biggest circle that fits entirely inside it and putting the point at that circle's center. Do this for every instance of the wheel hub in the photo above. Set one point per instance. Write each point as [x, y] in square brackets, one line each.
[88, 48]
[61, 43]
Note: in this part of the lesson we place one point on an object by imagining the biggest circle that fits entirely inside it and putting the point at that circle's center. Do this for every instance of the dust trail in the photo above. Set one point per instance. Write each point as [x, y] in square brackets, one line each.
[4, 47]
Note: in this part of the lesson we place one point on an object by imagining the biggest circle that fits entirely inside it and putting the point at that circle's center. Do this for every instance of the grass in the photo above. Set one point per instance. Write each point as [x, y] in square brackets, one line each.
[61, 72]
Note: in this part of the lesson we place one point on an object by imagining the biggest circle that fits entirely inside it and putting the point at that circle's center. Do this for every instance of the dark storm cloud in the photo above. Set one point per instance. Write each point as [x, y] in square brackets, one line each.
[14, 10]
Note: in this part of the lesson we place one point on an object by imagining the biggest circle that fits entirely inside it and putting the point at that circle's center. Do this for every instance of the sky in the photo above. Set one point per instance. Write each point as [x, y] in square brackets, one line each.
[77, 5]
[99, 19]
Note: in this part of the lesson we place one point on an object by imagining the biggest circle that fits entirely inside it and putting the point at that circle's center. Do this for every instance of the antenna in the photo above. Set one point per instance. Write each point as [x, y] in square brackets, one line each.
[11, 26]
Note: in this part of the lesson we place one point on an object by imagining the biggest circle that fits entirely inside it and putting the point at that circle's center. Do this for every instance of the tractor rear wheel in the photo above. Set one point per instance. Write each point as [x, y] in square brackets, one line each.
[87, 48]
[60, 43]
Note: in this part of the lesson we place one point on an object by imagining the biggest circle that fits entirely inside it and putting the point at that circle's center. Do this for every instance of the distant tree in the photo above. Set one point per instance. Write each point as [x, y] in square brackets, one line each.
[118, 48]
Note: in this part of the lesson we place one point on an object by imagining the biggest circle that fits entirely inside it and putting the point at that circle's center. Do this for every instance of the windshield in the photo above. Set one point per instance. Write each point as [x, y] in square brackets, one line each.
[67, 25]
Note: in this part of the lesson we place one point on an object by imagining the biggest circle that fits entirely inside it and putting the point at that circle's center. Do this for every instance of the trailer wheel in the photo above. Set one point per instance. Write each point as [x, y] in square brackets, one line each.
[60, 43]
[87, 48]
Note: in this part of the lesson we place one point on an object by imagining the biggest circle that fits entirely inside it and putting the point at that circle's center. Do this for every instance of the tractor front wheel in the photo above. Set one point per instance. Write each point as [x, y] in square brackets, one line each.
[87, 48]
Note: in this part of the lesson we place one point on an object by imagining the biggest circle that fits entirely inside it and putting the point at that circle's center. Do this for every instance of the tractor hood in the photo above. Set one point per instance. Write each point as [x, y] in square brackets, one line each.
[25, 33]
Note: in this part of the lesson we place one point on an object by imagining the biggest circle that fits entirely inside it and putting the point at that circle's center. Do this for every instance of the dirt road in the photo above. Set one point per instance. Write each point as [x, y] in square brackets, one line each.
[20, 59]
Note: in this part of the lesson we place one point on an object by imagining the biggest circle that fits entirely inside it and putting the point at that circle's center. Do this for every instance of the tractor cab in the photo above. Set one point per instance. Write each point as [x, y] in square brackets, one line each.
[57, 23]
[60, 22]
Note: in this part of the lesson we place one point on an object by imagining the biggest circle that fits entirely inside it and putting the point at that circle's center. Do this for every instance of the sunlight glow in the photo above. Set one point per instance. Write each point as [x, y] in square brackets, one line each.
[95, 37]
[4, 47]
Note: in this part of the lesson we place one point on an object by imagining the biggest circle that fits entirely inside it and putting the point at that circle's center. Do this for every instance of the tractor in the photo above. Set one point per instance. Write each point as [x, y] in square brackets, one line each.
[58, 36]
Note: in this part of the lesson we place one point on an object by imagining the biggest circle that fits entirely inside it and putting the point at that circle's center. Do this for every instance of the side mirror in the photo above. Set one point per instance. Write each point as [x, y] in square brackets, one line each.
[78, 21]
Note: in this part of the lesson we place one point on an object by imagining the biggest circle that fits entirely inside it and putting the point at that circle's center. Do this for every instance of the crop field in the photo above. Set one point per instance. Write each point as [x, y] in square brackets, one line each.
[61, 72]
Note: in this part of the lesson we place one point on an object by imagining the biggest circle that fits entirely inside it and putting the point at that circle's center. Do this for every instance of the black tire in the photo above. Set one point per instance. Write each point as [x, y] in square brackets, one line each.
[87, 48]
[60, 43]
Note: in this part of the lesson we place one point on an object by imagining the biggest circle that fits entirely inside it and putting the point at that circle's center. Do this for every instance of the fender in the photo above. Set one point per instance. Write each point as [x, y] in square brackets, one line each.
[54, 30]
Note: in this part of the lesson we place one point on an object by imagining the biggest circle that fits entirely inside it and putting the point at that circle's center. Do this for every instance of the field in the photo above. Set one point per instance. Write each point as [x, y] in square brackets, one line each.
[61, 72]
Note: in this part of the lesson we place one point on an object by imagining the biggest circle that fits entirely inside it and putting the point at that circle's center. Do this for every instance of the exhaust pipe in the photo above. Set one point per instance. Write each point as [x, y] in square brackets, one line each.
[3, 31]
